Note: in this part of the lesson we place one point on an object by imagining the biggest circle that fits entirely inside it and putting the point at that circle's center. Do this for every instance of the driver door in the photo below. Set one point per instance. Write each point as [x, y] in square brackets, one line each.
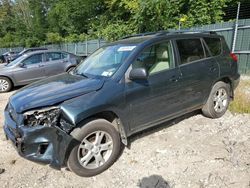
[153, 100]
[32, 69]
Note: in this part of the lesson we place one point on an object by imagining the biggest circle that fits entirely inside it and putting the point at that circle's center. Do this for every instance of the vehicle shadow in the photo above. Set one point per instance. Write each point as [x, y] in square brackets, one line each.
[154, 181]
[160, 127]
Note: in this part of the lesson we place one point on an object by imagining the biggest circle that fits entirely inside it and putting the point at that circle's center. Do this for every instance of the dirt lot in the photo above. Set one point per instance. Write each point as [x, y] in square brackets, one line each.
[192, 151]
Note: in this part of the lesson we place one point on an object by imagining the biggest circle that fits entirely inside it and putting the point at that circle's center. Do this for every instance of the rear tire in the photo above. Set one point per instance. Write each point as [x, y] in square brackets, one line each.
[218, 101]
[99, 148]
[5, 85]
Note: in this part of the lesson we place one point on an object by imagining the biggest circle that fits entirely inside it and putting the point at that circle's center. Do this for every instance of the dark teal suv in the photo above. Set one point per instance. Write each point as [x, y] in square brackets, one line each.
[80, 119]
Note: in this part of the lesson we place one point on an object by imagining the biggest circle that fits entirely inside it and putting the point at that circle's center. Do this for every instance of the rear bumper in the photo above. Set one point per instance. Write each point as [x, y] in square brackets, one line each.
[235, 81]
[45, 145]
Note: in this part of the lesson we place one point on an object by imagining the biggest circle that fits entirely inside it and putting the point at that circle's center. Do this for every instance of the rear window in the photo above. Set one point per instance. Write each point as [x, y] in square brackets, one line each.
[190, 50]
[214, 44]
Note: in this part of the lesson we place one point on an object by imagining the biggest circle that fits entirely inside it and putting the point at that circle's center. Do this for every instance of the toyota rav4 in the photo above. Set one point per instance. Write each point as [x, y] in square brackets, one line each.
[81, 119]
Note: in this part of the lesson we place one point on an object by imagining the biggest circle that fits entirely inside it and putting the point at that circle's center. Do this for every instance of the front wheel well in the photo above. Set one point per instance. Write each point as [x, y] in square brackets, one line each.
[9, 79]
[114, 120]
[68, 68]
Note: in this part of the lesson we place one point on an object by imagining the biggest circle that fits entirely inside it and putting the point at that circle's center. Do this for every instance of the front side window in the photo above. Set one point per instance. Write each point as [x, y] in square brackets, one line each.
[53, 56]
[34, 59]
[156, 58]
[105, 61]
[190, 50]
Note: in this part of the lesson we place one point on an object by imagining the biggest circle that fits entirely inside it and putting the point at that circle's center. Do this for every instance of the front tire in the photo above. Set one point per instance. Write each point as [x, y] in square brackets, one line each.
[5, 85]
[99, 148]
[218, 101]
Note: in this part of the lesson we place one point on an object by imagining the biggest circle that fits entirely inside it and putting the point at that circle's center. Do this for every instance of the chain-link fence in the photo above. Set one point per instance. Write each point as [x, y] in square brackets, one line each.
[81, 48]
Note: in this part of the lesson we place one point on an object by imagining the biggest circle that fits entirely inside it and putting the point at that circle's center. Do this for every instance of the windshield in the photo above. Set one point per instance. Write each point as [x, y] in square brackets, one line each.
[16, 61]
[105, 61]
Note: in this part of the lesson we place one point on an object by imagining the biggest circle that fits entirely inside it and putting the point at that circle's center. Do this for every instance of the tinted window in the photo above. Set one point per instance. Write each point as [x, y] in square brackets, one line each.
[155, 58]
[65, 55]
[34, 59]
[53, 56]
[214, 44]
[190, 50]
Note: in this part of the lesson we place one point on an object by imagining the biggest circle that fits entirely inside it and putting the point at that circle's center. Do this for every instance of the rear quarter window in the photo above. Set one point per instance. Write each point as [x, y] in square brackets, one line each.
[214, 45]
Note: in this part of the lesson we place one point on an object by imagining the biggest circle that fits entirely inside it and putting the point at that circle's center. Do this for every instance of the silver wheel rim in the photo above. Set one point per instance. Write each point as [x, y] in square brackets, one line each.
[220, 100]
[95, 150]
[4, 85]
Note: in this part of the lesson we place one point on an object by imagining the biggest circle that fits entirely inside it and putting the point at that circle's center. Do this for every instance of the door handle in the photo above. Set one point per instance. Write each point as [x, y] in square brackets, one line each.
[212, 69]
[174, 79]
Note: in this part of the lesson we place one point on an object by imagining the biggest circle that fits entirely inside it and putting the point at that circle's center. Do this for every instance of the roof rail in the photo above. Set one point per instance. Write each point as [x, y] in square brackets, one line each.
[140, 35]
[167, 32]
[186, 32]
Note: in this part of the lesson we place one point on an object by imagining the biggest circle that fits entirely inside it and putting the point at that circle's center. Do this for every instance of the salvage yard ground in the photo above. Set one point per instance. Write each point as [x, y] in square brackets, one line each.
[191, 151]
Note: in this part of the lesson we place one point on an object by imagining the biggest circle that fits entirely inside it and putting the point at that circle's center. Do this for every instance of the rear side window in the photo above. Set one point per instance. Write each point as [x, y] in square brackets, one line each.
[214, 44]
[65, 56]
[190, 50]
[53, 56]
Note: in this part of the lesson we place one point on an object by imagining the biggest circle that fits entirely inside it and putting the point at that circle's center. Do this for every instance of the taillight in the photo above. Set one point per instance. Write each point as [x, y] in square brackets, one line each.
[234, 57]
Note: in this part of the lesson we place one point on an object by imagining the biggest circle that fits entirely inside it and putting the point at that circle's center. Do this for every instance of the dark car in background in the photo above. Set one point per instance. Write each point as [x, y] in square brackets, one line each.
[25, 51]
[4, 58]
[34, 66]
[80, 119]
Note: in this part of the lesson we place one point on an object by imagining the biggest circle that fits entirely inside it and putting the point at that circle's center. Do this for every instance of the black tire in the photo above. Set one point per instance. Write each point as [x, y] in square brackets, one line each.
[70, 69]
[209, 109]
[5, 85]
[82, 133]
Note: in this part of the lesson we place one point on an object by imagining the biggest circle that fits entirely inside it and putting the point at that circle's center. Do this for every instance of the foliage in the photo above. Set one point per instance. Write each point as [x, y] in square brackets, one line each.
[35, 22]
[241, 103]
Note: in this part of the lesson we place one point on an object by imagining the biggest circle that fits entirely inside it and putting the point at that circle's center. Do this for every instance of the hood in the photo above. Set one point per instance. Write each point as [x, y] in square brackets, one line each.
[52, 91]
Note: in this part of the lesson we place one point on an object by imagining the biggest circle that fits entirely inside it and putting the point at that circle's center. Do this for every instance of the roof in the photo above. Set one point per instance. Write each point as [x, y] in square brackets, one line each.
[142, 37]
[43, 51]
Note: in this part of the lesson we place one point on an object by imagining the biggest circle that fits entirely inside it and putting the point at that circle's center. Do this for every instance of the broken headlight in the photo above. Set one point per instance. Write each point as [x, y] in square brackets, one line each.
[45, 117]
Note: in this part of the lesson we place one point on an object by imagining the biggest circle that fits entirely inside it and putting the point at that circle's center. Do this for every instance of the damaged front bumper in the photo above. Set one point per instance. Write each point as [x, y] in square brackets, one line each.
[42, 144]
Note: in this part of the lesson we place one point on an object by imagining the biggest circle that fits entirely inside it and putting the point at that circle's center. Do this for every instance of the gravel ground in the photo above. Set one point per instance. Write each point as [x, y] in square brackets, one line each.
[191, 151]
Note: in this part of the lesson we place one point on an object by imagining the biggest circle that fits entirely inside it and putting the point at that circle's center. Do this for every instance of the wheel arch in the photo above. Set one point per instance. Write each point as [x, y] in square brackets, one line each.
[11, 80]
[228, 81]
[69, 67]
[111, 117]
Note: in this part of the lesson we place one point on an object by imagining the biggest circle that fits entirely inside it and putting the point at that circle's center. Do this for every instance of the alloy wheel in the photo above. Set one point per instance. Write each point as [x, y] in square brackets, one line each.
[95, 150]
[4, 85]
[220, 100]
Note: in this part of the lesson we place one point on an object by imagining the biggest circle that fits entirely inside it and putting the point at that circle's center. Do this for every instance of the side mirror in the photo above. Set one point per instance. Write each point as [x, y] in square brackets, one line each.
[22, 65]
[138, 74]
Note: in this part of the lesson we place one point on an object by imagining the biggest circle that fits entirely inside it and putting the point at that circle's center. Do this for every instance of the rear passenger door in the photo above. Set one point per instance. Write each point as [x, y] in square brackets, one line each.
[199, 71]
[54, 63]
